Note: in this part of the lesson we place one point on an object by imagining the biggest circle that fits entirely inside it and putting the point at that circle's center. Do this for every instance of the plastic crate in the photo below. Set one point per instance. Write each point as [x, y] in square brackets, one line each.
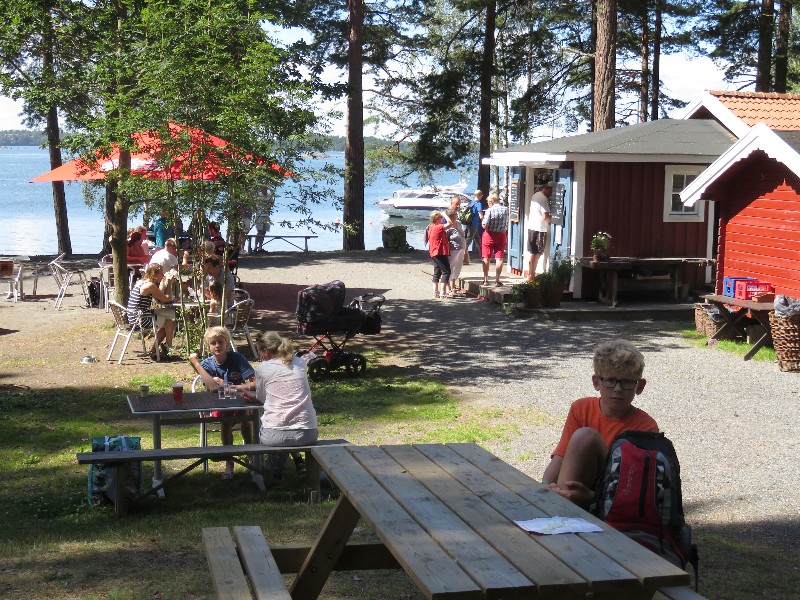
[746, 289]
[729, 285]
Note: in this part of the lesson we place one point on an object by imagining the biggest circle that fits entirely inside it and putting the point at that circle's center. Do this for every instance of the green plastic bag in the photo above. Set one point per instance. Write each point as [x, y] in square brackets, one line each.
[102, 483]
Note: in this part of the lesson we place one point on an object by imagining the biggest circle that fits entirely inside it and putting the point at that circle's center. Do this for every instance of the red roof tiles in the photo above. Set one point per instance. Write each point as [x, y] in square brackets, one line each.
[777, 111]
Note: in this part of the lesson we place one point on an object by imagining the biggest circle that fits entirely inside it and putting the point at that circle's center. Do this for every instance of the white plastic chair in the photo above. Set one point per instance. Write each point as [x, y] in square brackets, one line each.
[237, 319]
[128, 323]
[64, 278]
[13, 277]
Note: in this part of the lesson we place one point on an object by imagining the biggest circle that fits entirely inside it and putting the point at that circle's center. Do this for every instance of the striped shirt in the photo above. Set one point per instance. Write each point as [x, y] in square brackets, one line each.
[138, 303]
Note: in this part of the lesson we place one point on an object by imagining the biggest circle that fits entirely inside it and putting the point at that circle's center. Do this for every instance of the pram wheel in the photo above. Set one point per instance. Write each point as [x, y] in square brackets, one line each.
[356, 364]
[317, 369]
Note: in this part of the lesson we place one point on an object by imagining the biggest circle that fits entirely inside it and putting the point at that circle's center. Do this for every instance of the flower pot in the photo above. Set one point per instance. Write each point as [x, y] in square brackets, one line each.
[532, 297]
[598, 256]
[553, 294]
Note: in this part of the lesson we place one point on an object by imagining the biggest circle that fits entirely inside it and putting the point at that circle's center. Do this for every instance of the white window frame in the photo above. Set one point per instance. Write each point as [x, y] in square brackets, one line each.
[695, 216]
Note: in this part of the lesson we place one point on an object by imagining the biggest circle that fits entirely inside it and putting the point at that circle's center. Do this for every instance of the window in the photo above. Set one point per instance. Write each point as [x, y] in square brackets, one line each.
[677, 177]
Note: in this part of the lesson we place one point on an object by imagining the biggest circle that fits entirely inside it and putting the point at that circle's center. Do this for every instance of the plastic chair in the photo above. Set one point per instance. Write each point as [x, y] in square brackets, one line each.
[64, 278]
[13, 277]
[128, 323]
[238, 316]
[106, 285]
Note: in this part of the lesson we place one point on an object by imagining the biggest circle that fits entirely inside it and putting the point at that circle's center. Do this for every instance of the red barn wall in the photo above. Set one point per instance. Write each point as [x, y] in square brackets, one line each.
[627, 201]
[759, 228]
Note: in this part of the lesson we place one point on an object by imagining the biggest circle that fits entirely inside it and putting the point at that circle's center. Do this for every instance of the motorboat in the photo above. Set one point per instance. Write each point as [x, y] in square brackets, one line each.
[419, 203]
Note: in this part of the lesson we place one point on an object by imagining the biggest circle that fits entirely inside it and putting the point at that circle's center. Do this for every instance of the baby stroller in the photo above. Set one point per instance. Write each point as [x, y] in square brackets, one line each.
[321, 313]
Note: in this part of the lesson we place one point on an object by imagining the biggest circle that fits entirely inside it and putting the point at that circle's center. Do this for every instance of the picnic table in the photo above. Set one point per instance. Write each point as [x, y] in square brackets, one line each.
[648, 274]
[194, 408]
[733, 310]
[446, 512]
[267, 238]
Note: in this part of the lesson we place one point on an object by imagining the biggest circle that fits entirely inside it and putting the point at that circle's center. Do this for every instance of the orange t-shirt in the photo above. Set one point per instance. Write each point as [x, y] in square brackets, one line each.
[586, 413]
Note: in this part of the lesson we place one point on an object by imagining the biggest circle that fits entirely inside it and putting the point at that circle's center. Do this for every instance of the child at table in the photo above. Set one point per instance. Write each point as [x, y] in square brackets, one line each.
[593, 423]
[221, 367]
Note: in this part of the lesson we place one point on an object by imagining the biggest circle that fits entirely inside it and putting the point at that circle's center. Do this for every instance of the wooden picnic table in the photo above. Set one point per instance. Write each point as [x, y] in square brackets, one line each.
[446, 514]
[610, 282]
[733, 310]
[267, 238]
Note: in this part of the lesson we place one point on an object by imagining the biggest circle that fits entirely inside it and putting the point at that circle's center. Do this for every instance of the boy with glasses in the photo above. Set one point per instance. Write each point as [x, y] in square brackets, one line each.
[593, 423]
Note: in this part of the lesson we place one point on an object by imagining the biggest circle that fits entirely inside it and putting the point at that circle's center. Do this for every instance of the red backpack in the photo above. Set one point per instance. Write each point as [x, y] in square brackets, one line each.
[639, 494]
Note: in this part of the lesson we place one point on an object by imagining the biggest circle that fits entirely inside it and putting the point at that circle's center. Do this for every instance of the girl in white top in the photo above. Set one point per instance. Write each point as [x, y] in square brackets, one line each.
[289, 417]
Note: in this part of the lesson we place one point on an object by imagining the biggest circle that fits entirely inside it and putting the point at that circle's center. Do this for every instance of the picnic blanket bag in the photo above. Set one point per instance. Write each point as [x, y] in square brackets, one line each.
[639, 494]
[102, 483]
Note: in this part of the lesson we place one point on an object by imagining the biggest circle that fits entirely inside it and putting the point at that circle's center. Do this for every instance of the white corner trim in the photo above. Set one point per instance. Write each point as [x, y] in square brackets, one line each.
[760, 137]
[720, 112]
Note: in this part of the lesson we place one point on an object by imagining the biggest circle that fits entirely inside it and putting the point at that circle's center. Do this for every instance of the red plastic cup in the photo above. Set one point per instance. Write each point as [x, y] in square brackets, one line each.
[177, 392]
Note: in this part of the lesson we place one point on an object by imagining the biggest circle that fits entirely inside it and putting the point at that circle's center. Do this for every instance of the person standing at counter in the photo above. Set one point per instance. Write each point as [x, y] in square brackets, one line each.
[538, 223]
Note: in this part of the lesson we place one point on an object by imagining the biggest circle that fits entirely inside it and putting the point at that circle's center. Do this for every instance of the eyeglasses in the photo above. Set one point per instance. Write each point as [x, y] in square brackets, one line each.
[625, 384]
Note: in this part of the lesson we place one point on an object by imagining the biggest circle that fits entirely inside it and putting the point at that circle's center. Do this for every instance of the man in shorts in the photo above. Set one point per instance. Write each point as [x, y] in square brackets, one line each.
[495, 237]
[538, 224]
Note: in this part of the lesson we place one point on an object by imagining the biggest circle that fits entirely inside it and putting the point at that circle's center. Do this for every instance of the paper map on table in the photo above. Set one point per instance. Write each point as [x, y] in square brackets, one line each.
[553, 525]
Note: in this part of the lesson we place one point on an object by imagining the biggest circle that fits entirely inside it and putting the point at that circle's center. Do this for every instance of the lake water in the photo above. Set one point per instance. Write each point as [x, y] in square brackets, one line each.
[27, 218]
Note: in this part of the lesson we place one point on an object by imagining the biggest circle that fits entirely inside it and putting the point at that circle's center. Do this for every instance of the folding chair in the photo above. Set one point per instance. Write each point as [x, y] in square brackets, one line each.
[63, 278]
[14, 278]
[106, 285]
[238, 316]
[128, 323]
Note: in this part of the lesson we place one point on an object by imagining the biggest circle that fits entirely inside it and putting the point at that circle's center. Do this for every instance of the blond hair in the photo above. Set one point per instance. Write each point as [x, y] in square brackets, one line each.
[494, 198]
[451, 214]
[435, 216]
[150, 270]
[213, 333]
[618, 355]
[278, 346]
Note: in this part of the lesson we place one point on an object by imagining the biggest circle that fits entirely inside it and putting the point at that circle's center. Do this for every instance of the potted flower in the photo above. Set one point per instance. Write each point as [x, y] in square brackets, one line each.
[552, 289]
[600, 245]
[562, 267]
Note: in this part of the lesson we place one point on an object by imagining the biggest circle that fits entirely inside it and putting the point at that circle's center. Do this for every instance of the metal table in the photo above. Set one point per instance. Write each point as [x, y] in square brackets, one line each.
[164, 411]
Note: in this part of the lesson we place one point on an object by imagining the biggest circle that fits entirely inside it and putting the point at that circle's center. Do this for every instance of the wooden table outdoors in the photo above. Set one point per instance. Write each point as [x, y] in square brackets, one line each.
[446, 512]
[734, 310]
[164, 411]
[608, 272]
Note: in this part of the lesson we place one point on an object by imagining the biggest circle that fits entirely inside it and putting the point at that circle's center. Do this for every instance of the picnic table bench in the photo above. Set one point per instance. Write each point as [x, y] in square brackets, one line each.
[267, 238]
[733, 310]
[118, 462]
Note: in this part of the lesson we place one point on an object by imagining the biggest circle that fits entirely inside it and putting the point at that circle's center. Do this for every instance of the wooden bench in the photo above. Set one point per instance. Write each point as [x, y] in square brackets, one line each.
[258, 567]
[267, 238]
[117, 461]
[677, 593]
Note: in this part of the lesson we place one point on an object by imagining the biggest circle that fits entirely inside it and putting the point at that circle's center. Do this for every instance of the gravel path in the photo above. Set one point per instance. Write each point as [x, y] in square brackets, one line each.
[734, 424]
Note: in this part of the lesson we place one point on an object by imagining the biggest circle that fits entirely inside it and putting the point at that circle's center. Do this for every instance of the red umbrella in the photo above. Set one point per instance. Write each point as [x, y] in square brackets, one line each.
[205, 158]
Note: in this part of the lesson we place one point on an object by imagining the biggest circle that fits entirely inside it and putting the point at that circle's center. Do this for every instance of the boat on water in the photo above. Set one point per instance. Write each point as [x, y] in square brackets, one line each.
[419, 203]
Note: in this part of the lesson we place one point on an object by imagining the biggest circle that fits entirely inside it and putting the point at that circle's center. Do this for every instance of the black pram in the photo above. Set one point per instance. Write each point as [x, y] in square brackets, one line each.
[321, 313]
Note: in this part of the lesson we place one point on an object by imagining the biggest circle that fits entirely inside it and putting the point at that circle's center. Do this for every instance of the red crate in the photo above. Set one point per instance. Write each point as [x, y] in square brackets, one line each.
[746, 289]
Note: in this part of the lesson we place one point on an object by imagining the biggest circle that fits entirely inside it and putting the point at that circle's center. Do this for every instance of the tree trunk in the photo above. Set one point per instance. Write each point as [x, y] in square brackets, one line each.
[656, 73]
[485, 123]
[59, 196]
[353, 216]
[54, 147]
[605, 65]
[782, 46]
[593, 60]
[119, 237]
[644, 87]
[766, 22]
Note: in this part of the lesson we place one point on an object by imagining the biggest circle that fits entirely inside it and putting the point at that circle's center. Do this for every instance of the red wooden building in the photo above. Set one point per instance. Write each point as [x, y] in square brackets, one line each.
[628, 182]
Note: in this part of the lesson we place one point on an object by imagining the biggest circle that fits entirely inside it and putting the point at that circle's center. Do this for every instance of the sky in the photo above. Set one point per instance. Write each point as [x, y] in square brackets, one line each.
[683, 79]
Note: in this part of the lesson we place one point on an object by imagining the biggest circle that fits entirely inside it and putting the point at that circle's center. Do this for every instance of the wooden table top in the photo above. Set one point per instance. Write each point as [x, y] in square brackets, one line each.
[628, 262]
[447, 512]
[748, 304]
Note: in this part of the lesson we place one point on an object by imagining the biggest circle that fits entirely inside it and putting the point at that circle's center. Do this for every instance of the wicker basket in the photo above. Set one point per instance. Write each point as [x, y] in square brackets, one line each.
[786, 340]
[704, 323]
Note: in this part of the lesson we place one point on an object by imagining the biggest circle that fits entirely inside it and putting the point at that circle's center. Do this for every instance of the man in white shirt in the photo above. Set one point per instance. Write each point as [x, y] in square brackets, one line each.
[167, 257]
[538, 224]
